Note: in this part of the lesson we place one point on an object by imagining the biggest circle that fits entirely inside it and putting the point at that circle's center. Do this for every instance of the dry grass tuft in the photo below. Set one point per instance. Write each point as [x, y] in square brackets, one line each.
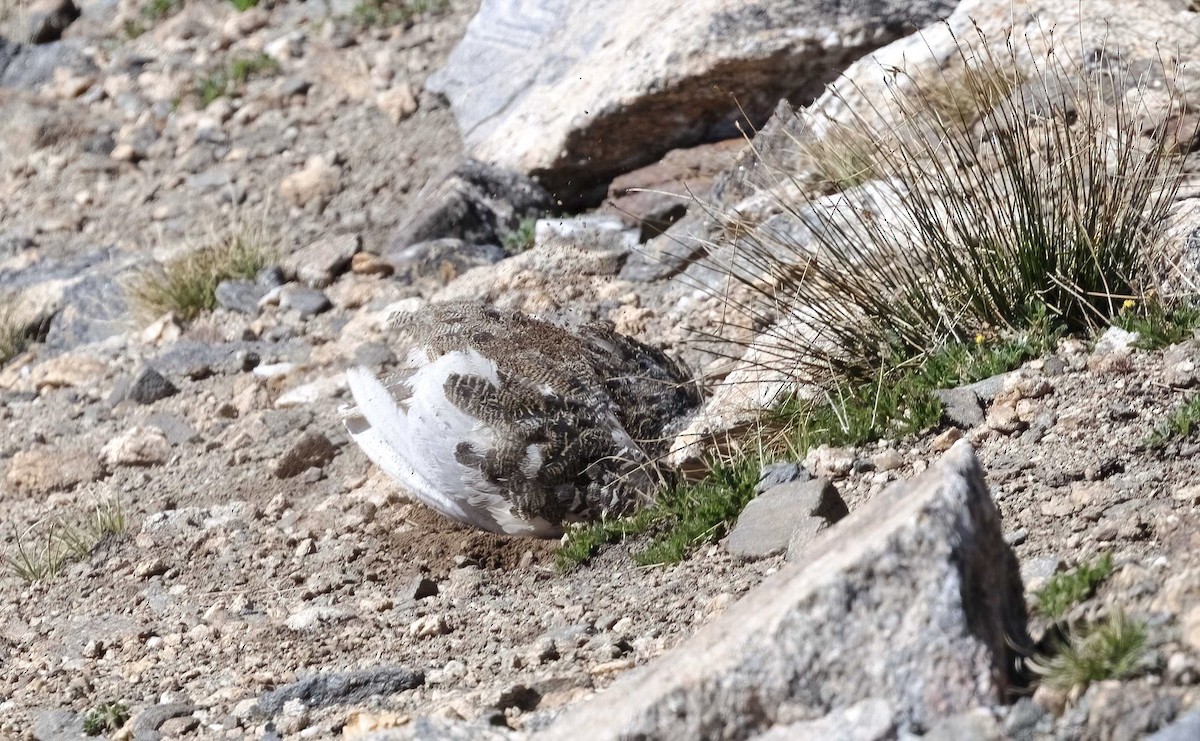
[187, 285]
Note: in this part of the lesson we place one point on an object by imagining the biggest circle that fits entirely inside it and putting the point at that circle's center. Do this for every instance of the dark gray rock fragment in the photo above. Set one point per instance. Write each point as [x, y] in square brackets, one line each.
[777, 474]
[1185, 728]
[770, 523]
[49, 18]
[306, 301]
[331, 688]
[961, 407]
[476, 203]
[150, 386]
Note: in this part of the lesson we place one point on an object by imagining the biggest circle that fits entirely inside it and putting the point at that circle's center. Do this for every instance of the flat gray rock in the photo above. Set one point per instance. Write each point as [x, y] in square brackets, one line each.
[329, 688]
[320, 263]
[914, 599]
[240, 295]
[869, 720]
[575, 93]
[767, 525]
[1185, 728]
[961, 407]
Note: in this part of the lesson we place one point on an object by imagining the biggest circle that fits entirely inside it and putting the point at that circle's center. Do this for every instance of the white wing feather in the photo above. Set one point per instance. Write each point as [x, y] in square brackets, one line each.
[416, 444]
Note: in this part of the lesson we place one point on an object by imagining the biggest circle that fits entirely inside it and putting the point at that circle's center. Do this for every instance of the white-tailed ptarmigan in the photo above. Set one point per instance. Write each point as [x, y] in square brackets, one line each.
[518, 426]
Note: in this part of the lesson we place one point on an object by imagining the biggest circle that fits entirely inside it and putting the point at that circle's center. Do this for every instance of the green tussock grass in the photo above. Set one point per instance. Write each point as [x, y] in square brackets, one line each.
[187, 285]
[685, 516]
[230, 79]
[1180, 424]
[44, 556]
[243, 5]
[396, 12]
[520, 239]
[1109, 650]
[107, 717]
[1066, 590]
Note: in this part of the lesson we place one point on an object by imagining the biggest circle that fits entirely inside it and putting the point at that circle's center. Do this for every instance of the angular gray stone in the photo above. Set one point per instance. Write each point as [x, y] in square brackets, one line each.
[439, 261]
[670, 252]
[307, 301]
[1185, 728]
[176, 428]
[776, 474]
[476, 203]
[320, 263]
[1181, 365]
[26, 67]
[240, 295]
[961, 407]
[977, 725]
[59, 724]
[150, 386]
[768, 523]
[914, 599]
[869, 720]
[341, 687]
[514, 80]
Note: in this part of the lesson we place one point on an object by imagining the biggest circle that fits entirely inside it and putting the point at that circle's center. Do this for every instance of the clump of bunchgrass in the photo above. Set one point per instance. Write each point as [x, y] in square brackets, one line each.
[45, 551]
[1029, 198]
[1064, 591]
[684, 516]
[1180, 424]
[1112, 649]
[187, 285]
[14, 334]
[243, 5]
[105, 717]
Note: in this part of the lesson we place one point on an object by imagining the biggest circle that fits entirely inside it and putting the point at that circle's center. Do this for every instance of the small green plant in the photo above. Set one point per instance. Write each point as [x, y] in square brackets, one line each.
[187, 285]
[156, 10]
[1110, 650]
[211, 87]
[245, 68]
[1158, 326]
[396, 12]
[230, 79]
[898, 402]
[106, 717]
[66, 540]
[1179, 424]
[684, 516]
[520, 239]
[243, 5]
[1064, 591]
